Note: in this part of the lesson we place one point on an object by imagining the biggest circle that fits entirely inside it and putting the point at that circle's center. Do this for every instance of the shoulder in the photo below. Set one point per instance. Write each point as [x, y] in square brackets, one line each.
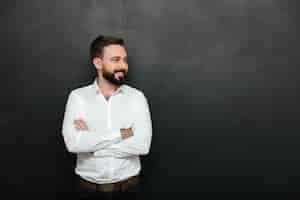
[137, 98]
[133, 92]
[82, 92]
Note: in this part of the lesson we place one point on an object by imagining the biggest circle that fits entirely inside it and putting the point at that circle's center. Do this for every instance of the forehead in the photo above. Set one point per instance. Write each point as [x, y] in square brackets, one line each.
[114, 50]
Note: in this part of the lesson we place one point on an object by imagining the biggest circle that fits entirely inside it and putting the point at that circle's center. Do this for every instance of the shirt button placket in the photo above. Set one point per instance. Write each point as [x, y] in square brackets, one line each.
[109, 127]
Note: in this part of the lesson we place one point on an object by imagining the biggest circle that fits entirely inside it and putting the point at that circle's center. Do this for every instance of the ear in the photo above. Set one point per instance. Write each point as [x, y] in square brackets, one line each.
[97, 63]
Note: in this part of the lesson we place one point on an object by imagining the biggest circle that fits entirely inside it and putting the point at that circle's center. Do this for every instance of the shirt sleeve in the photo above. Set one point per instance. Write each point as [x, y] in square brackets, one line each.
[139, 143]
[79, 141]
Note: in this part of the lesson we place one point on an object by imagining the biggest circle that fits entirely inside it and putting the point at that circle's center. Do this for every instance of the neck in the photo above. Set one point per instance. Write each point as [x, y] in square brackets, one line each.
[107, 88]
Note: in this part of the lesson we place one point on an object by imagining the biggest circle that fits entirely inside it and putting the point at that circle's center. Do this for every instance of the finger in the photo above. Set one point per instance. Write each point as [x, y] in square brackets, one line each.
[83, 125]
[79, 125]
[78, 121]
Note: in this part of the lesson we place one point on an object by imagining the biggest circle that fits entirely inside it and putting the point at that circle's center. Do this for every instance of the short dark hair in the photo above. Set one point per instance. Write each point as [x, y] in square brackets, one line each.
[98, 44]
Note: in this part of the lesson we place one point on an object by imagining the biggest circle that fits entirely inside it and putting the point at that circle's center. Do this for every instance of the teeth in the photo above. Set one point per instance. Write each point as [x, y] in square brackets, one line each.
[119, 73]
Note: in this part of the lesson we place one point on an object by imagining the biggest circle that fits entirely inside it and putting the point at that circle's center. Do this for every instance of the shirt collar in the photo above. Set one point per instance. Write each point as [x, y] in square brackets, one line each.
[97, 89]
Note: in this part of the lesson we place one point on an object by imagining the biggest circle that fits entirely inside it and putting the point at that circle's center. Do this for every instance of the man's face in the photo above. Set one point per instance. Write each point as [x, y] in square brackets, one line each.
[114, 64]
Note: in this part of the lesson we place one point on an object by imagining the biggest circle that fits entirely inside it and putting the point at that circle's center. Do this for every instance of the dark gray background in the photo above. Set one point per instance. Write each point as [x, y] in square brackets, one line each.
[221, 77]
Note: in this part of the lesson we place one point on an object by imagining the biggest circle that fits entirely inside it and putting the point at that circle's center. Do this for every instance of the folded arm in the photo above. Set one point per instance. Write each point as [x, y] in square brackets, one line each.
[79, 141]
[139, 143]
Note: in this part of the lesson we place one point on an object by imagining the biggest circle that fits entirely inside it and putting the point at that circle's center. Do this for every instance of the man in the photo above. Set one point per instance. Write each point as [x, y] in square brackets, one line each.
[108, 125]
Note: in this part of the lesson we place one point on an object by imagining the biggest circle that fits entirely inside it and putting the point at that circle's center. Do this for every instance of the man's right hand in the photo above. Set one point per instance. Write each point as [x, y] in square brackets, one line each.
[80, 125]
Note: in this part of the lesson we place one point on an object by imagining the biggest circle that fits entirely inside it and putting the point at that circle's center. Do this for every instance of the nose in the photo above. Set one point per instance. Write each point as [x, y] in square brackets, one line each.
[123, 65]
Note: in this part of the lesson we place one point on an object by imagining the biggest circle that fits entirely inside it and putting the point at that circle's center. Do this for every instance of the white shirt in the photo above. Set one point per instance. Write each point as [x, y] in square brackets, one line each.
[102, 156]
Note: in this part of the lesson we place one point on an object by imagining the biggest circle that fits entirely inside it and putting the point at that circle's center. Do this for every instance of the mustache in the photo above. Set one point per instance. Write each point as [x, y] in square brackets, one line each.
[121, 70]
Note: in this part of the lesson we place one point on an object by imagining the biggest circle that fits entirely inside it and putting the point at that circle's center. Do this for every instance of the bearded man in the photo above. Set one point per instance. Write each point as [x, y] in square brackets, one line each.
[108, 125]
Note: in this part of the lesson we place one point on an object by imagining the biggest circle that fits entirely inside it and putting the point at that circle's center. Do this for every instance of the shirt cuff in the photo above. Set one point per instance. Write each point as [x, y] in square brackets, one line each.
[115, 135]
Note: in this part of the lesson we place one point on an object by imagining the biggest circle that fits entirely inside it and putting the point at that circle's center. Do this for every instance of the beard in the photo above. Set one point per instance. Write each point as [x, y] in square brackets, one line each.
[110, 77]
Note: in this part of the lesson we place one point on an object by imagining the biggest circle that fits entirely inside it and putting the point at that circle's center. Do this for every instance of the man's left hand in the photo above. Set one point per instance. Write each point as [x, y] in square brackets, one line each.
[126, 133]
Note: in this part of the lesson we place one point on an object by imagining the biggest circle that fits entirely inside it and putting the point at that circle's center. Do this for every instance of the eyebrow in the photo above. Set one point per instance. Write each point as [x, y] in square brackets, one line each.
[114, 57]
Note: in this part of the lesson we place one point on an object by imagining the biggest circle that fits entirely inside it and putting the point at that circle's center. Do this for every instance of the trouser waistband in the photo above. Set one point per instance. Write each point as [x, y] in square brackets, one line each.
[110, 187]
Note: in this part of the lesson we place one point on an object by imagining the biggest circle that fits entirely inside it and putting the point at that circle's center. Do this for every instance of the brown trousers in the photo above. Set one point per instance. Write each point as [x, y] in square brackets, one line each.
[127, 189]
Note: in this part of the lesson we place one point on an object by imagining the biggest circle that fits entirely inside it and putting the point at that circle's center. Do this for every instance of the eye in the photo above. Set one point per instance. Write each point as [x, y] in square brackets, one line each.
[115, 59]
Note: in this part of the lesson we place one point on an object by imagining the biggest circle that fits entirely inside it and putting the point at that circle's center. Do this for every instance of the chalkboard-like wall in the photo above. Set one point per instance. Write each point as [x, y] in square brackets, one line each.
[221, 77]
